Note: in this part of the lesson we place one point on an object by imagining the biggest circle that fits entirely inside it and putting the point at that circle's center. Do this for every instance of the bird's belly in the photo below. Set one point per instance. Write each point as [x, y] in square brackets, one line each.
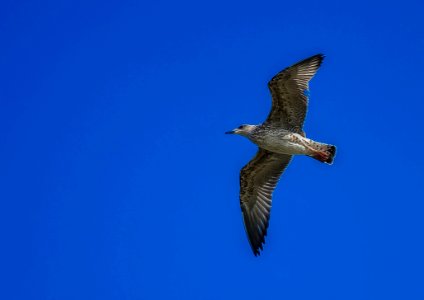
[283, 146]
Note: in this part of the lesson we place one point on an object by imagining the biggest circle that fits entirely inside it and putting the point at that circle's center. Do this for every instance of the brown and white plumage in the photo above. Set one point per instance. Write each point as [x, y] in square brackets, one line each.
[258, 180]
[289, 99]
[279, 138]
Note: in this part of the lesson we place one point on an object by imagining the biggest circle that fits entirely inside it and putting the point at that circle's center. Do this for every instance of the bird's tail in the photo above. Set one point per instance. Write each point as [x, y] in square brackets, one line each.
[323, 152]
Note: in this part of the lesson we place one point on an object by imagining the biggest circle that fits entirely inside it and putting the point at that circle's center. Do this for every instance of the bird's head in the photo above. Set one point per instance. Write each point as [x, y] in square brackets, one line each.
[244, 130]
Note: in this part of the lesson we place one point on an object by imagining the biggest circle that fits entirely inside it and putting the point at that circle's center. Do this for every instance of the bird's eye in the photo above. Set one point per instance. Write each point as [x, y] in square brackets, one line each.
[240, 127]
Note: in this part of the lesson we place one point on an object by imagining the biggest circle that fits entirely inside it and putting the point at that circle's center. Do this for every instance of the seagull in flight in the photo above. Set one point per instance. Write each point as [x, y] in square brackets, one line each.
[279, 138]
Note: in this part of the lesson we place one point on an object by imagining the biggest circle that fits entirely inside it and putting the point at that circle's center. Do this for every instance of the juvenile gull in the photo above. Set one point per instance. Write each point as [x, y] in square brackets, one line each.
[279, 138]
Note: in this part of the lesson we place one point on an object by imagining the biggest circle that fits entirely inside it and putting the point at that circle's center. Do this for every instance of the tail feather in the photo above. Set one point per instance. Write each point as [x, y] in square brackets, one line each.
[325, 154]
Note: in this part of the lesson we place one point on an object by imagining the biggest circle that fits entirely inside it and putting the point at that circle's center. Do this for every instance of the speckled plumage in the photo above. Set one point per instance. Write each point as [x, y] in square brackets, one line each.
[279, 138]
[282, 141]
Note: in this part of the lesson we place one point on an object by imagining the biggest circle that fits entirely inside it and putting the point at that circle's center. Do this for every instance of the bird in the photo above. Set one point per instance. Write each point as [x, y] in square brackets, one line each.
[278, 138]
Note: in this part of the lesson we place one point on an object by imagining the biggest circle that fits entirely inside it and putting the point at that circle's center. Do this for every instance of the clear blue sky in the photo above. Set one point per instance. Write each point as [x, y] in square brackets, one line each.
[117, 181]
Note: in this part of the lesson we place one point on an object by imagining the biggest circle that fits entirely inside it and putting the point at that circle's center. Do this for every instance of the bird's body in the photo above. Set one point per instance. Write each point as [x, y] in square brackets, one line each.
[279, 138]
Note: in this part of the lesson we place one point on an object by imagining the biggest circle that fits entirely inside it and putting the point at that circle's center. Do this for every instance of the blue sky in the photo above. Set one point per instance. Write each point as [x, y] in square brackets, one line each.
[117, 181]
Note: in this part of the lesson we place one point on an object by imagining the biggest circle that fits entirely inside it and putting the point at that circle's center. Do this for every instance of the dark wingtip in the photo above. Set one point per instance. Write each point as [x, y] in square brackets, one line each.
[256, 252]
[320, 57]
[316, 59]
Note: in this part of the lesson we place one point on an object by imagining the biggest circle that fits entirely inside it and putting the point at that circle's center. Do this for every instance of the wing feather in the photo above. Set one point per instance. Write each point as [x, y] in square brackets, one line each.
[289, 94]
[258, 180]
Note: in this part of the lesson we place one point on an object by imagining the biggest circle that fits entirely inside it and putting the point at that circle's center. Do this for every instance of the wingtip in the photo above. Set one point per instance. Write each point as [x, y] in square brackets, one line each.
[320, 57]
[256, 252]
[256, 249]
[316, 60]
[312, 61]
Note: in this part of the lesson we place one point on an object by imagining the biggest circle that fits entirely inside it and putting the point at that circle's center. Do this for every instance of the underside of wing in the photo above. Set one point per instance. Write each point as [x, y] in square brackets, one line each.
[258, 180]
[289, 94]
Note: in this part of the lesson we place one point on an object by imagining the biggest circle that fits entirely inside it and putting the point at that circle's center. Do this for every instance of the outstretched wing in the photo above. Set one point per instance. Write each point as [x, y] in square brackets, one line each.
[258, 180]
[289, 94]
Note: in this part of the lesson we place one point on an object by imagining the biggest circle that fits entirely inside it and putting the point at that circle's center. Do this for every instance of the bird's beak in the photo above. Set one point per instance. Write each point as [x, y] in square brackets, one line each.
[230, 132]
